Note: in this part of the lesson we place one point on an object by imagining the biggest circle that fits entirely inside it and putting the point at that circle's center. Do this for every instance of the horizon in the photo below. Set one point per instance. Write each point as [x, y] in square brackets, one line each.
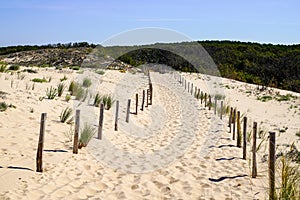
[39, 23]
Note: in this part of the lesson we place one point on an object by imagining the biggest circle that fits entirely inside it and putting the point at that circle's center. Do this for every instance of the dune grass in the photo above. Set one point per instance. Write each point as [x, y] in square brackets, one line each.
[39, 80]
[51, 93]
[60, 89]
[87, 132]
[87, 82]
[66, 114]
[3, 106]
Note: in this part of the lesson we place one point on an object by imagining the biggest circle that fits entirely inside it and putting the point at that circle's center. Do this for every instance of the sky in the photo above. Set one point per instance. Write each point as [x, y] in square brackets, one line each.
[62, 21]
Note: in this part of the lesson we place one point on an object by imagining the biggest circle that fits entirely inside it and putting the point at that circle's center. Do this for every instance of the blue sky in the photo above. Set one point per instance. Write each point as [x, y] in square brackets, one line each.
[53, 21]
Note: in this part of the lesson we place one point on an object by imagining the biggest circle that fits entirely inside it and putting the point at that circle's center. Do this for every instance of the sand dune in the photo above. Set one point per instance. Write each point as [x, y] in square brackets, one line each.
[174, 149]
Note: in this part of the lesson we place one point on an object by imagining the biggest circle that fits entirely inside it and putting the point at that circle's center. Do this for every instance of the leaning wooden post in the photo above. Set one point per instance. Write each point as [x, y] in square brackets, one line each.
[117, 115]
[209, 102]
[221, 115]
[272, 159]
[76, 133]
[100, 127]
[245, 138]
[136, 103]
[230, 118]
[205, 100]
[238, 126]
[201, 97]
[198, 94]
[128, 110]
[215, 106]
[39, 155]
[143, 100]
[233, 124]
[254, 164]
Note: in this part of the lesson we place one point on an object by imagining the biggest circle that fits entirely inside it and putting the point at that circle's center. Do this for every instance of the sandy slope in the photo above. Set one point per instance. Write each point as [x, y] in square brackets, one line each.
[174, 149]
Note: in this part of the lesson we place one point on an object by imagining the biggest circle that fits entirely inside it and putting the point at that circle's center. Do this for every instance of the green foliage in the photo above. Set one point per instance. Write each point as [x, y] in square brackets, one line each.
[101, 72]
[97, 100]
[286, 97]
[39, 80]
[3, 106]
[107, 100]
[31, 71]
[219, 96]
[3, 66]
[64, 78]
[298, 134]
[87, 132]
[72, 87]
[290, 180]
[65, 115]
[78, 91]
[68, 97]
[87, 82]
[60, 89]
[76, 68]
[264, 98]
[14, 67]
[51, 93]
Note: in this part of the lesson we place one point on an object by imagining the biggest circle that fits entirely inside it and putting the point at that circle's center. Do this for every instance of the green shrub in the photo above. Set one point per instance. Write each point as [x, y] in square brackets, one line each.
[68, 97]
[66, 115]
[64, 78]
[3, 106]
[107, 100]
[87, 133]
[39, 80]
[3, 67]
[97, 100]
[286, 97]
[60, 89]
[264, 98]
[31, 71]
[14, 67]
[75, 68]
[51, 93]
[72, 87]
[101, 72]
[87, 82]
[79, 92]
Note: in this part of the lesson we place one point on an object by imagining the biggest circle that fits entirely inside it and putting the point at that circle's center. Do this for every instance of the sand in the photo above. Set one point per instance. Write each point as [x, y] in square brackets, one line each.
[174, 149]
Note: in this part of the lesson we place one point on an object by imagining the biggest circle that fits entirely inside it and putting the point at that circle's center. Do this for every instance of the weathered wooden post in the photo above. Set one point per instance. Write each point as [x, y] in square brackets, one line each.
[147, 96]
[272, 159]
[143, 100]
[128, 110]
[39, 155]
[195, 95]
[76, 132]
[233, 124]
[221, 113]
[192, 85]
[239, 135]
[198, 94]
[117, 115]
[254, 164]
[209, 102]
[136, 103]
[245, 138]
[230, 119]
[215, 106]
[185, 84]
[188, 87]
[101, 117]
[205, 100]
[201, 97]
[151, 93]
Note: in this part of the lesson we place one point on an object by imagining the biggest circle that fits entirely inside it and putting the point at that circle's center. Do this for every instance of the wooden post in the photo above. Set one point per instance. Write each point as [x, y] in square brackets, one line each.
[209, 102]
[143, 100]
[238, 126]
[128, 109]
[221, 115]
[195, 95]
[151, 93]
[147, 95]
[205, 99]
[233, 124]
[272, 158]
[245, 138]
[76, 133]
[39, 155]
[192, 85]
[198, 94]
[100, 126]
[201, 97]
[230, 118]
[254, 164]
[185, 84]
[136, 103]
[215, 106]
[188, 86]
[117, 115]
